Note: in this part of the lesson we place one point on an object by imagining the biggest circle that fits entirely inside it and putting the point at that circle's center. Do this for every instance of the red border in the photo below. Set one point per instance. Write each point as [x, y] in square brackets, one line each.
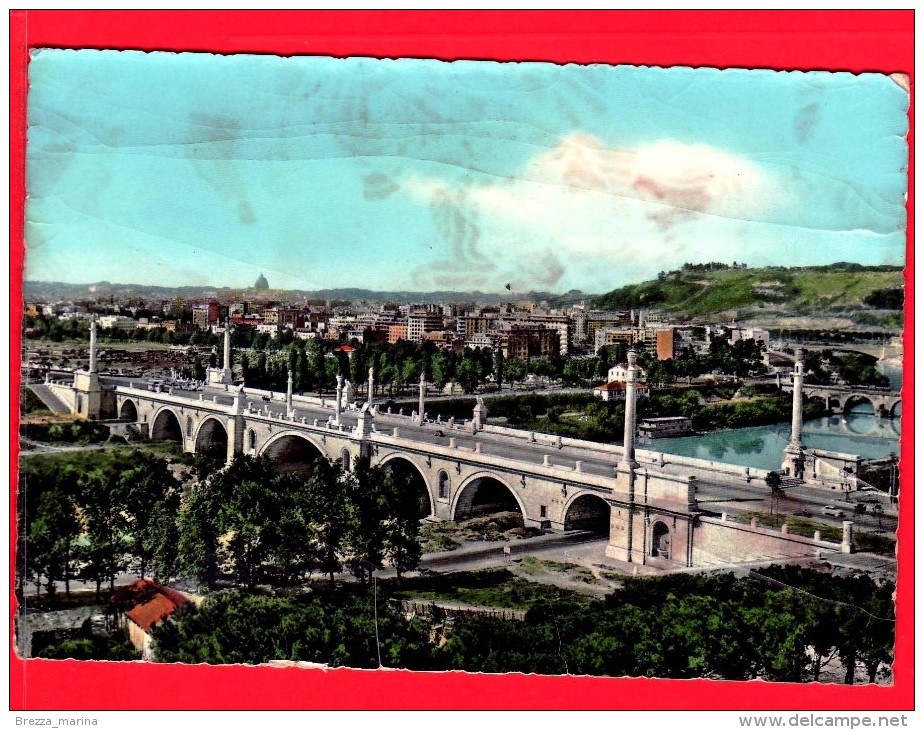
[837, 40]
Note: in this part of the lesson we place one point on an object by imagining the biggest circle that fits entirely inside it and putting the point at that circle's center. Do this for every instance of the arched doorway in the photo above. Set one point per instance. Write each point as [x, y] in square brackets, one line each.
[483, 496]
[589, 512]
[128, 412]
[166, 427]
[293, 454]
[660, 540]
[212, 439]
[346, 462]
[411, 482]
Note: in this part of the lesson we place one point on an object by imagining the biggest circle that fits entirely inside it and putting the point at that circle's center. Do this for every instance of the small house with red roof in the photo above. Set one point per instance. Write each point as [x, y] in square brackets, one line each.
[140, 606]
[616, 390]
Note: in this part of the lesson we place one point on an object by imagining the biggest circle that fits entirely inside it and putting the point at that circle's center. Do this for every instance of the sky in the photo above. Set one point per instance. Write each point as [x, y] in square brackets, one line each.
[196, 169]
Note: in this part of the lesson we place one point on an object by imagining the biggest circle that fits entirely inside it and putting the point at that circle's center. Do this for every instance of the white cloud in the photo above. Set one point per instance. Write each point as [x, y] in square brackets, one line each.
[585, 215]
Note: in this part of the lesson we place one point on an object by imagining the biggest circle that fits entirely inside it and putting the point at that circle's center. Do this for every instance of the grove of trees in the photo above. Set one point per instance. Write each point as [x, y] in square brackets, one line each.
[89, 515]
[785, 624]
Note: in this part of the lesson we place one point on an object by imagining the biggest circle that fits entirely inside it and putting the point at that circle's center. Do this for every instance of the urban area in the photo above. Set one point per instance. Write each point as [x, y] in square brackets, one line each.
[693, 476]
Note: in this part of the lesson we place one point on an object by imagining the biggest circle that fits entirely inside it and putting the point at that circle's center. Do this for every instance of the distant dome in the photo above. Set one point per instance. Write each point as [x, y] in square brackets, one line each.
[262, 284]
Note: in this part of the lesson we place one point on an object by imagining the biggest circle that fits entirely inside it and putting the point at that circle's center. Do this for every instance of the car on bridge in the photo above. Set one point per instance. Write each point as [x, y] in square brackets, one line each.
[829, 510]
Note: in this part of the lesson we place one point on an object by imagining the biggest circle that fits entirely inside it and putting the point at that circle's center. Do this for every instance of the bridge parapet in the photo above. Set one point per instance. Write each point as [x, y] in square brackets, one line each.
[161, 397]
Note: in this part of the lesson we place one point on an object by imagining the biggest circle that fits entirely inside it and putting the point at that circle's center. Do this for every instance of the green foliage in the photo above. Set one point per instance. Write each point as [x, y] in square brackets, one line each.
[335, 627]
[92, 509]
[701, 289]
[96, 648]
[250, 524]
[781, 623]
[75, 432]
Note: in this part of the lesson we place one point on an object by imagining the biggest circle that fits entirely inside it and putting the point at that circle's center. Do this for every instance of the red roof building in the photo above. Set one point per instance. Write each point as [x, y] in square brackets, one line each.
[616, 390]
[141, 605]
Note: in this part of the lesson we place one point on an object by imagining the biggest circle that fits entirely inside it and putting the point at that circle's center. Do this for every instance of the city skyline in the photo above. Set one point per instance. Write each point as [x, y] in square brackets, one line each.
[422, 175]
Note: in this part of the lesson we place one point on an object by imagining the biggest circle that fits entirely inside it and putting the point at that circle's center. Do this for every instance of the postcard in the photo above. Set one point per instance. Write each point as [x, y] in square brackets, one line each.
[483, 367]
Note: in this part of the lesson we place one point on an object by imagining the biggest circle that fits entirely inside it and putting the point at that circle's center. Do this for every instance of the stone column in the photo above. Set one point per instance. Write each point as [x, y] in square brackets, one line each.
[628, 450]
[339, 400]
[289, 395]
[371, 387]
[226, 359]
[91, 368]
[421, 394]
[795, 439]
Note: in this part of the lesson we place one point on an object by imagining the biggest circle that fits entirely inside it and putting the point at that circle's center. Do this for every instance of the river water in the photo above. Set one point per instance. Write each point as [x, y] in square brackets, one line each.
[858, 432]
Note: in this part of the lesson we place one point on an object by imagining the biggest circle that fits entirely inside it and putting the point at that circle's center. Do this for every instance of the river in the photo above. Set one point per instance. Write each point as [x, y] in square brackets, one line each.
[859, 432]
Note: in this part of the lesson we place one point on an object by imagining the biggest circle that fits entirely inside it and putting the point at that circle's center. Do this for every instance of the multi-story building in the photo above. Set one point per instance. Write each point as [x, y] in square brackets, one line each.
[529, 341]
[608, 336]
[206, 315]
[397, 332]
[419, 322]
[114, 321]
[665, 344]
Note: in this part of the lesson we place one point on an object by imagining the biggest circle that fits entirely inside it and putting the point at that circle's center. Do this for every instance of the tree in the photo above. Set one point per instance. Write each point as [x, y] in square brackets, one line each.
[331, 512]
[151, 502]
[402, 519]
[52, 537]
[106, 524]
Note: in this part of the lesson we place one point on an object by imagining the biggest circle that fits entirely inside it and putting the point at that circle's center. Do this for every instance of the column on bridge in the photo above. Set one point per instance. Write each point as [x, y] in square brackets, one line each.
[421, 394]
[91, 367]
[339, 400]
[223, 375]
[289, 410]
[794, 454]
[88, 399]
[226, 355]
[795, 439]
[628, 450]
[371, 387]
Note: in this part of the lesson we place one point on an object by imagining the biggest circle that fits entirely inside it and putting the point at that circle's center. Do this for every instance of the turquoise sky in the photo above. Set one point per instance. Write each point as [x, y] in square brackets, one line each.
[194, 169]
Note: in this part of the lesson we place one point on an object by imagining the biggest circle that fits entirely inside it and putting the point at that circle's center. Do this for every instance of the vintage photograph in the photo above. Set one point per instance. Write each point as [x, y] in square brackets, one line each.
[479, 366]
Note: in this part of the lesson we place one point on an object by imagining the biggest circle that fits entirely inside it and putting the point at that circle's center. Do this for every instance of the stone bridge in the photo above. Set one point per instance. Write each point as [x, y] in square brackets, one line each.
[843, 398]
[644, 503]
[460, 469]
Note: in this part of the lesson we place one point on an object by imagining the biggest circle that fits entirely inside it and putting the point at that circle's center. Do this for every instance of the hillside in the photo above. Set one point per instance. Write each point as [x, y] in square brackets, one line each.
[864, 295]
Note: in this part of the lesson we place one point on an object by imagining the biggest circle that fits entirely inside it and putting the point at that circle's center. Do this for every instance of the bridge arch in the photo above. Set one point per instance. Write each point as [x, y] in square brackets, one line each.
[403, 465]
[895, 410]
[293, 452]
[482, 493]
[660, 546]
[128, 411]
[211, 438]
[855, 399]
[587, 511]
[165, 426]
